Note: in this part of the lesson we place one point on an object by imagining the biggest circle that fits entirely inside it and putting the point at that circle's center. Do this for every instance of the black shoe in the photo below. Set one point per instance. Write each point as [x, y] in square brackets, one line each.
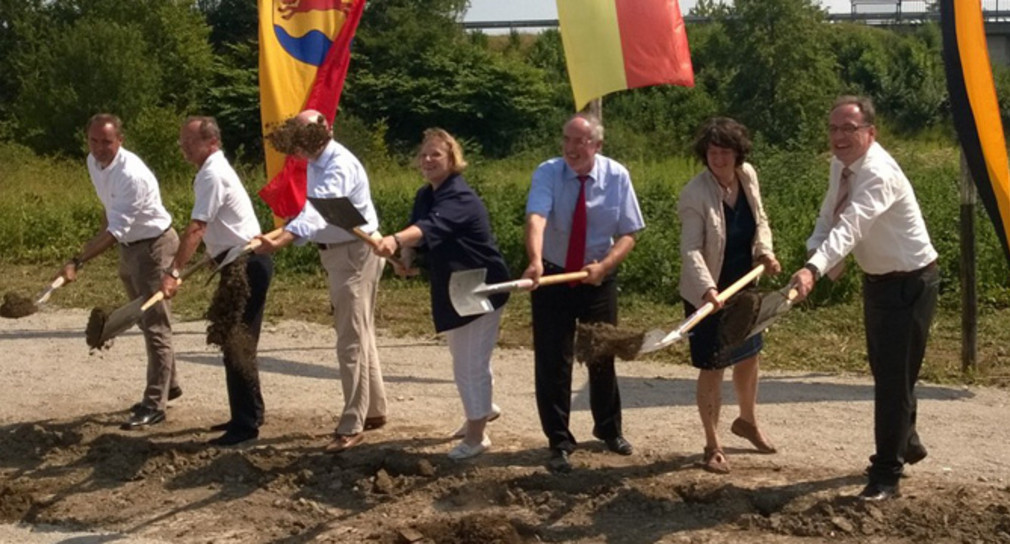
[230, 438]
[144, 417]
[619, 445]
[915, 454]
[879, 492]
[559, 462]
[173, 394]
[221, 427]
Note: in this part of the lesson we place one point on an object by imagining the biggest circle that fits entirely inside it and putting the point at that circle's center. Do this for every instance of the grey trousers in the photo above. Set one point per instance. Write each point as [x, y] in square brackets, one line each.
[141, 266]
[354, 272]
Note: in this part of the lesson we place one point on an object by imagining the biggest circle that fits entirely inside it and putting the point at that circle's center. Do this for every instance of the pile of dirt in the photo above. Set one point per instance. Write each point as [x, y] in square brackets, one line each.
[15, 306]
[595, 341]
[225, 328]
[93, 331]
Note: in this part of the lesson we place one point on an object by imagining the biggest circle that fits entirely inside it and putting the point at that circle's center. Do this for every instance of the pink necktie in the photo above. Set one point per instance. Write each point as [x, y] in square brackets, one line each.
[844, 188]
[576, 256]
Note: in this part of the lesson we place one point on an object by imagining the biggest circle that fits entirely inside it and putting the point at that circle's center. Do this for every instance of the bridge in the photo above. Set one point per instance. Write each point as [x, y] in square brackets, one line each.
[882, 13]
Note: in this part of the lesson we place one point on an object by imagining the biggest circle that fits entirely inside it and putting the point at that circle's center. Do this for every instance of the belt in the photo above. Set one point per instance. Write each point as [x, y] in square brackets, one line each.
[145, 240]
[336, 245]
[874, 278]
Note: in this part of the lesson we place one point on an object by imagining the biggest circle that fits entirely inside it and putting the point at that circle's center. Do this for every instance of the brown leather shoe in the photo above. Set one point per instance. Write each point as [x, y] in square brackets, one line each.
[745, 429]
[342, 442]
[372, 423]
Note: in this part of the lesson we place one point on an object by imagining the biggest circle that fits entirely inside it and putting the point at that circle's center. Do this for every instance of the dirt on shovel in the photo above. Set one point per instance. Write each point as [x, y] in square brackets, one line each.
[597, 341]
[15, 306]
[226, 329]
[93, 331]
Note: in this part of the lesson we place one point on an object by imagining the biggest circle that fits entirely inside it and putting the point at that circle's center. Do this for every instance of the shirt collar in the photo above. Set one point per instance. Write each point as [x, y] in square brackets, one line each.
[593, 174]
[326, 155]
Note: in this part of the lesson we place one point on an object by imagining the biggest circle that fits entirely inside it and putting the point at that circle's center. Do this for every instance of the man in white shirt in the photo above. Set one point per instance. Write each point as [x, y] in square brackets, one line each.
[136, 220]
[223, 217]
[352, 268]
[870, 210]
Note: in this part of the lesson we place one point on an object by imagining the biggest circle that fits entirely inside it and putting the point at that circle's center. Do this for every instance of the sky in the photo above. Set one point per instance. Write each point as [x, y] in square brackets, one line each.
[513, 10]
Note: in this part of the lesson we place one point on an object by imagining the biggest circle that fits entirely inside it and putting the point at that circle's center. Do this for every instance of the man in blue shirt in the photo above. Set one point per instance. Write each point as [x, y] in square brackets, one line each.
[581, 214]
[352, 270]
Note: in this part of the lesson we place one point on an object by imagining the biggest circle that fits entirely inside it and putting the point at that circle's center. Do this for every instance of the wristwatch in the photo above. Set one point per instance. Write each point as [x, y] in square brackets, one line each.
[396, 238]
[78, 263]
[813, 270]
[174, 272]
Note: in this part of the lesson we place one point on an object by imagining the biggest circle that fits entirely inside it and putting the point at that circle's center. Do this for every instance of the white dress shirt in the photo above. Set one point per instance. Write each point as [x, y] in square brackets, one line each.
[131, 197]
[224, 205]
[882, 225]
[335, 173]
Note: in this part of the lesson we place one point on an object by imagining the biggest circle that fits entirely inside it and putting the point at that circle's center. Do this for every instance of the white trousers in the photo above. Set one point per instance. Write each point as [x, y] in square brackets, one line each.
[471, 346]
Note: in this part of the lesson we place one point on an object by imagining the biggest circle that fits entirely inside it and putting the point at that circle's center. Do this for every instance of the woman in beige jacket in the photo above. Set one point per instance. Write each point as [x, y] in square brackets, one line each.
[724, 234]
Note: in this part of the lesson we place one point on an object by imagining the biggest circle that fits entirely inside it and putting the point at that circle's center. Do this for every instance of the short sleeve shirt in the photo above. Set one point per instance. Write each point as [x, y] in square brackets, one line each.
[611, 206]
[224, 205]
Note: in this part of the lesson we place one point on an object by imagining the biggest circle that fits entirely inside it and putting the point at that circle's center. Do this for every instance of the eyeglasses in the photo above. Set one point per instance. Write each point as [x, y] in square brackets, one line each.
[847, 130]
[576, 141]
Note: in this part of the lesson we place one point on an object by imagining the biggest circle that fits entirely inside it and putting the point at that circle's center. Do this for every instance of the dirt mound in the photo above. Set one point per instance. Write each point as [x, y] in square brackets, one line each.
[15, 306]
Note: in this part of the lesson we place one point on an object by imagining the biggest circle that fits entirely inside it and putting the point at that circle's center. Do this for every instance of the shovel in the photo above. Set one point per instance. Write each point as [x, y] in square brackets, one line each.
[128, 315]
[469, 294]
[234, 253]
[340, 212]
[773, 306]
[15, 305]
[656, 339]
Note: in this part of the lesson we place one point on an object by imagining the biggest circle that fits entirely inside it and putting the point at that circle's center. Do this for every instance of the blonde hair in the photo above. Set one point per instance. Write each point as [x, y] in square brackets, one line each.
[456, 161]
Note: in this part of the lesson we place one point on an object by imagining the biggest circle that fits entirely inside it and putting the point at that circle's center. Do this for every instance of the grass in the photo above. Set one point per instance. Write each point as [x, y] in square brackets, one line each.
[824, 339]
[48, 208]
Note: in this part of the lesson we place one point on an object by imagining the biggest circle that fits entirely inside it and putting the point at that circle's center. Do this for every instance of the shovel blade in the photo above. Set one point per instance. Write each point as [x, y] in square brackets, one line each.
[773, 306]
[338, 211]
[656, 340]
[122, 318]
[464, 286]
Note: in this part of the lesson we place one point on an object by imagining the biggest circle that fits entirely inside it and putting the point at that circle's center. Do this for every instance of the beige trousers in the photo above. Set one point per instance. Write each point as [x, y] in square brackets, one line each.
[354, 272]
[141, 266]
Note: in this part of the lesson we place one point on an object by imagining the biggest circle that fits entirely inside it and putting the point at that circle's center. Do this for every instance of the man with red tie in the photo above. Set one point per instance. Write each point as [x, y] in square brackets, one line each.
[581, 214]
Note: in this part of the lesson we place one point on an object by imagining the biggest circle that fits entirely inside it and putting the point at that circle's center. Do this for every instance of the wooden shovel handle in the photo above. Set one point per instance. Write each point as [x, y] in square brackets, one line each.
[702, 313]
[256, 242]
[555, 279]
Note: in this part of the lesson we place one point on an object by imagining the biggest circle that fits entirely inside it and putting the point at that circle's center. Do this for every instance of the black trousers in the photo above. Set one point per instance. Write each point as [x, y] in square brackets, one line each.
[245, 400]
[898, 313]
[556, 311]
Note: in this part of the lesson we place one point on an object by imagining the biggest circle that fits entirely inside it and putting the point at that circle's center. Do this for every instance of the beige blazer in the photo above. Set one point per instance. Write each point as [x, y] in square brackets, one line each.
[703, 230]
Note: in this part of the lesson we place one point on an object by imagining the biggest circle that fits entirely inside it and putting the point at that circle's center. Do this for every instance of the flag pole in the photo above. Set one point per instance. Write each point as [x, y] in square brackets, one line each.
[969, 300]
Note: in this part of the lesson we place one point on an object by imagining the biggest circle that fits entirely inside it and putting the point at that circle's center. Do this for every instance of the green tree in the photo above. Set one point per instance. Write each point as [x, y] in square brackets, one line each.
[783, 71]
[106, 55]
[413, 67]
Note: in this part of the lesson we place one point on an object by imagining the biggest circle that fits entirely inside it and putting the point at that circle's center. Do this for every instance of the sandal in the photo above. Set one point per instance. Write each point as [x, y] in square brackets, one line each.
[747, 430]
[715, 461]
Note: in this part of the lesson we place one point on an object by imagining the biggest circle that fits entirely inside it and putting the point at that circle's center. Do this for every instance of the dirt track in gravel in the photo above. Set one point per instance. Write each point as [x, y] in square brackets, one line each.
[65, 462]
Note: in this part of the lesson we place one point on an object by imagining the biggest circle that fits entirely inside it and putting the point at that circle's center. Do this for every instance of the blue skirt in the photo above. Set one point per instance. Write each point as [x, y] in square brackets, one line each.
[704, 341]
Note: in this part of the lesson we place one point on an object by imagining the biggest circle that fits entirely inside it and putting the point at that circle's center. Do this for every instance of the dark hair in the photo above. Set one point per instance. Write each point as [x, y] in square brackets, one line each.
[105, 119]
[722, 132]
[864, 104]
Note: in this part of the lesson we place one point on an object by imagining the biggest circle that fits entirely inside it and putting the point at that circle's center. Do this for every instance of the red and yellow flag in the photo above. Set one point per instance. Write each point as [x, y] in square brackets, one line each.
[611, 45]
[305, 48]
[975, 108]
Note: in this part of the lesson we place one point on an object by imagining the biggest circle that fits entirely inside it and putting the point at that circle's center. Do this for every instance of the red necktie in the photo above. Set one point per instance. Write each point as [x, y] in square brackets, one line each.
[577, 238]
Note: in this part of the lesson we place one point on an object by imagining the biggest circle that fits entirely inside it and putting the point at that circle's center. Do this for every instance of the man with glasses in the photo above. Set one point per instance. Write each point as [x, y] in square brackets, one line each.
[581, 214]
[870, 210]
